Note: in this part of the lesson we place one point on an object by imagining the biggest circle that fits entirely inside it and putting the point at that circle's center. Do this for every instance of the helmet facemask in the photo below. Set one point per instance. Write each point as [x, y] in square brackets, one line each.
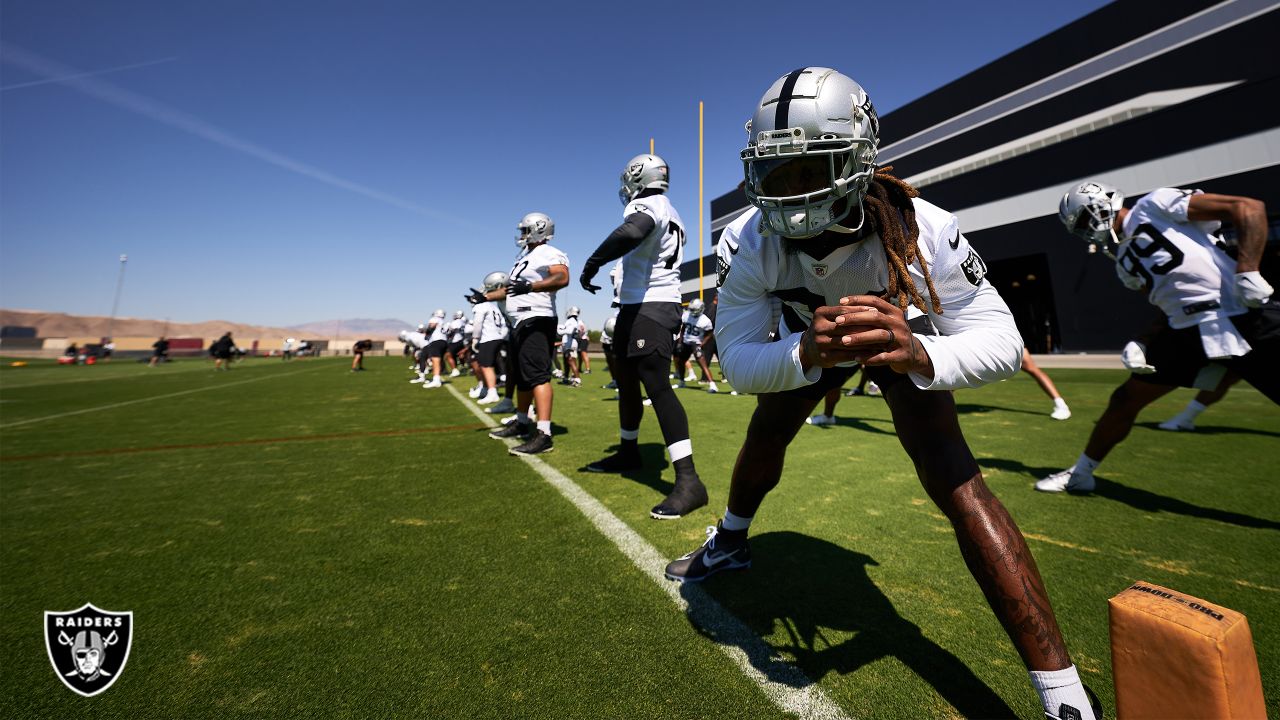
[534, 229]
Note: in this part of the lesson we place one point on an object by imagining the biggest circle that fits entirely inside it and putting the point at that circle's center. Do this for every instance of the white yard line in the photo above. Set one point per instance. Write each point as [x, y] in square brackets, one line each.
[783, 683]
[112, 406]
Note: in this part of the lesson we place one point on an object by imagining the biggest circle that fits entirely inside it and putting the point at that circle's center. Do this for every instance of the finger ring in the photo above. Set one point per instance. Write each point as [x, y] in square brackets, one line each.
[890, 340]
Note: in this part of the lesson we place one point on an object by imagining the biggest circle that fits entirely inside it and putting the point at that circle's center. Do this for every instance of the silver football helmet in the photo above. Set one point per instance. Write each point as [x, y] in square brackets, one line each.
[1089, 211]
[812, 141]
[458, 314]
[495, 280]
[535, 229]
[574, 311]
[696, 307]
[642, 173]
[438, 314]
[611, 324]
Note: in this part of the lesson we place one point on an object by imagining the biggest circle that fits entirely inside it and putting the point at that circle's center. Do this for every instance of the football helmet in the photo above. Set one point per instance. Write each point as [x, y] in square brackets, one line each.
[495, 280]
[1089, 211]
[696, 306]
[422, 327]
[811, 142]
[611, 324]
[438, 314]
[642, 173]
[458, 314]
[535, 229]
[574, 312]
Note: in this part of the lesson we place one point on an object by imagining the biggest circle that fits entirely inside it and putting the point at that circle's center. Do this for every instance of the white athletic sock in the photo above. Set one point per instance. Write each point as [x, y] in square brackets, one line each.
[734, 522]
[1059, 402]
[629, 434]
[544, 427]
[1086, 464]
[680, 450]
[1193, 408]
[1059, 687]
[522, 418]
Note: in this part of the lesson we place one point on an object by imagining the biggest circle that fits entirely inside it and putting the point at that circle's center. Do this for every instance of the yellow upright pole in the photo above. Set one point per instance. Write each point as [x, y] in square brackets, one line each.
[700, 200]
[650, 146]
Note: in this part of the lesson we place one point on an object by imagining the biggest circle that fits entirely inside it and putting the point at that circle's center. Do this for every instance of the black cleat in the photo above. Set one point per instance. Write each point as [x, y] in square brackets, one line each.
[538, 444]
[516, 429]
[688, 495]
[723, 550]
[1067, 712]
[618, 462]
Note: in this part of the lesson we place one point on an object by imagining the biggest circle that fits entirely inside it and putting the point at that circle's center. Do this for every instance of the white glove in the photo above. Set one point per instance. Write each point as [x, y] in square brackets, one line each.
[1252, 290]
[1134, 357]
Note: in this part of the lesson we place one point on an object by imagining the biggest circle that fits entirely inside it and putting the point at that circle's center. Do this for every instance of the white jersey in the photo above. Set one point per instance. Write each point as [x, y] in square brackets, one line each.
[491, 323]
[533, 265]
[416, 339]
[468, 331]
[568, 335]
[454, 330]
[694, 330]
[978, 341]
[651, 272]
[615, 277]
[438, 331]
[1187, 273]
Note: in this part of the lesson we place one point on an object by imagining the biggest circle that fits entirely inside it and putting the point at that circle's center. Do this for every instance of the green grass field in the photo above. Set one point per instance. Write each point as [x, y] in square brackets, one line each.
[298, 540]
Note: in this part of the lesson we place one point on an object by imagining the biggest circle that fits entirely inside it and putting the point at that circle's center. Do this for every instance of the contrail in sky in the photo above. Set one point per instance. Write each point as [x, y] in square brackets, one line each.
[56, 72]
[118, 68]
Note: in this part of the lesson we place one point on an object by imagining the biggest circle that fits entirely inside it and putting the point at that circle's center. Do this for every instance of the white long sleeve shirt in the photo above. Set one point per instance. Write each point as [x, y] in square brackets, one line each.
[978, 342]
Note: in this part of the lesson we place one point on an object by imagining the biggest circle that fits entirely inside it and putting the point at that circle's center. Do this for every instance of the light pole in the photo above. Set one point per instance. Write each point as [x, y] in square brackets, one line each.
[115, 304]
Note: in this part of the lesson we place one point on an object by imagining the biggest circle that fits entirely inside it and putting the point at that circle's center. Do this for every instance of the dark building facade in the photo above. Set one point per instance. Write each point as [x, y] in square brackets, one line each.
[1137, 94]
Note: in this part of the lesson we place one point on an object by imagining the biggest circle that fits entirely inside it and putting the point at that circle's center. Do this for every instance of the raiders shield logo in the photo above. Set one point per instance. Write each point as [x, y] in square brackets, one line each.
[88, 647]
[819, 270]
[974, 269]
[640, 343]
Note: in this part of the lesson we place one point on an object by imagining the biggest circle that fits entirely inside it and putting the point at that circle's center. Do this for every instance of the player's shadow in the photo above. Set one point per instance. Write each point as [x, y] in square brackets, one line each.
[654, 456]
[1213, 430]
[556, 430]
[808, 587]
[861, 424]
[974, 408]
[1139, 499]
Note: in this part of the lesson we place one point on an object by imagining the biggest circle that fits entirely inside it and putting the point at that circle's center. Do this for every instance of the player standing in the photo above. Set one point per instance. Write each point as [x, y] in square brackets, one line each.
[650, 242]
[1219, 309]
[530, 294]
[489, 335]
[695, 331]
[865, 272]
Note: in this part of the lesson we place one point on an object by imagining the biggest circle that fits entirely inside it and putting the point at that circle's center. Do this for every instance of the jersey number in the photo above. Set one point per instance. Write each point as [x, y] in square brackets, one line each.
[674, 229]
[519, 268]
[1130, 258]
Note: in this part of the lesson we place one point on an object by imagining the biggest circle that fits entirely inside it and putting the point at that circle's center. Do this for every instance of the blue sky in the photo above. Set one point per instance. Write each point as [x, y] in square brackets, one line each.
[283, 162]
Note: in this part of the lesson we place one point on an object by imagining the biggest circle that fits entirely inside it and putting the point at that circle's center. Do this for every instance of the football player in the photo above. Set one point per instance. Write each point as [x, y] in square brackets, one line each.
[1218, 309]
[606, 346]
[357, 354]
[650, 242]
[418, 342]
[530, 301]
[489, 334]
[437, 332]
[868, 273]
[456, 330]
[695, 331]
[570, 330]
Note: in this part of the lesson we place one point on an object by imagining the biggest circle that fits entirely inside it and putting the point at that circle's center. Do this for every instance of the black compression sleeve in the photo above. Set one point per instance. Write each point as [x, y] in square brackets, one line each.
[625, 238]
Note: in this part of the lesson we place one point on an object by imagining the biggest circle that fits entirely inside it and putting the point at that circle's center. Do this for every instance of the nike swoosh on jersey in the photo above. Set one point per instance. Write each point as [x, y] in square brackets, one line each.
[955, 241]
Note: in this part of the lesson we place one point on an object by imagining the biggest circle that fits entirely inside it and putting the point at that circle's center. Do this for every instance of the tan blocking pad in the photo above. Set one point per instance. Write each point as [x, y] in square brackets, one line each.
[1176, 656]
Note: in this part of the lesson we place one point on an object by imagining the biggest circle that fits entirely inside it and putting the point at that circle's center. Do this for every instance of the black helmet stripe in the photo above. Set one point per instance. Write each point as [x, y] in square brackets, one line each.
[780, 119]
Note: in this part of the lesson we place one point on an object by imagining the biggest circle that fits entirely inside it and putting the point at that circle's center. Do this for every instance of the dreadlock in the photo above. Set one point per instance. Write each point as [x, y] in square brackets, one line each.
[889, 200]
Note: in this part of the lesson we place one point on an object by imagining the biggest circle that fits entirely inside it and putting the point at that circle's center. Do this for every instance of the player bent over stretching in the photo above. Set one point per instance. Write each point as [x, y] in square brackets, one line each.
[865, 272]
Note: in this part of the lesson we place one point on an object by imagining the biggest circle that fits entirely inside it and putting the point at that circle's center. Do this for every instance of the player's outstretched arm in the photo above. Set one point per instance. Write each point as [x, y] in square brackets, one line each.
[1248, 215]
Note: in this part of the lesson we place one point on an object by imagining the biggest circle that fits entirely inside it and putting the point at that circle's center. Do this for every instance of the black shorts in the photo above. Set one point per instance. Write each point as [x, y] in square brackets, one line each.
[583, 344]
[487, 353]
[437, 349]
[1179, 360]
[881, 375]
[606, 348]
[685, 350]
[533, 342]
[646, 328]
[455, 348]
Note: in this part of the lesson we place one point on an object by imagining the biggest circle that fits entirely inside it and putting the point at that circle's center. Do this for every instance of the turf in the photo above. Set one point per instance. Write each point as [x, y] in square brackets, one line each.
[295, 539]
